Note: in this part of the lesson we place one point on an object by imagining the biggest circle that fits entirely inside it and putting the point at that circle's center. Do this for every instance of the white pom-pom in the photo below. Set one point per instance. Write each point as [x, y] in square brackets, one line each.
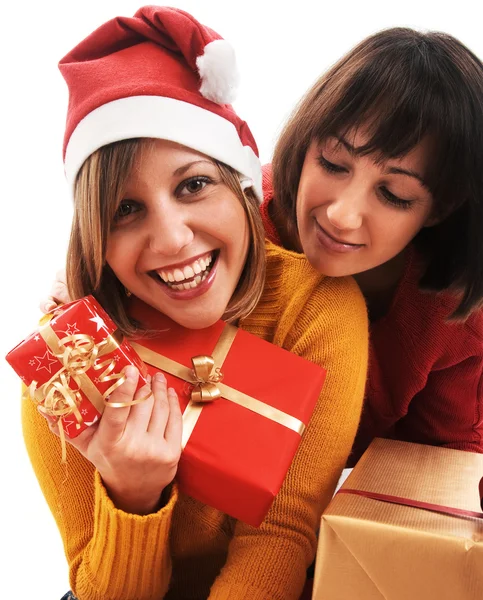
[218, 72]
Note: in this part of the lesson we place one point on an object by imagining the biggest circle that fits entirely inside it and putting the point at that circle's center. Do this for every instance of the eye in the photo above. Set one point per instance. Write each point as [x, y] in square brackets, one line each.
[329, 166]
[390, 198]
[126, 209]
[193, 185]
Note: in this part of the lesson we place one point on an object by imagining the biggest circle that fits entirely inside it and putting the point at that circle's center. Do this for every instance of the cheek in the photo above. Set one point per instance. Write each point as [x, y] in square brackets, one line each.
[231, 225]
[314, 190]
[112, 251]
[244, 233]
[119, 253]
[393, 230]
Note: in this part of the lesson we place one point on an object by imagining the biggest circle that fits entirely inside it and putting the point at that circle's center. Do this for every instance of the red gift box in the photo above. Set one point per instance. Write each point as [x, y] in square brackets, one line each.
[73, 361]
[239, 447]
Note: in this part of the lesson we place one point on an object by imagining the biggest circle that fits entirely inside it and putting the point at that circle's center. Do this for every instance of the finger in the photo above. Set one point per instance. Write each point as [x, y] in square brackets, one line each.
[48, 304]
[141, 413]
[59, 292]
[114, 418]
[160, 414]
[81, 442]
[53, 425]
[174, 427]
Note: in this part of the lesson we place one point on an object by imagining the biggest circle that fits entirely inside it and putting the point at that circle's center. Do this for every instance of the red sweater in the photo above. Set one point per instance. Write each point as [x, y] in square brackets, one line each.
[425, 381]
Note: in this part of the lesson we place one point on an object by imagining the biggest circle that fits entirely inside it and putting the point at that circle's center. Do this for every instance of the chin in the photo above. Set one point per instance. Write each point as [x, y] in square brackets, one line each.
[329, 269]
[338, 273]
[199, 321]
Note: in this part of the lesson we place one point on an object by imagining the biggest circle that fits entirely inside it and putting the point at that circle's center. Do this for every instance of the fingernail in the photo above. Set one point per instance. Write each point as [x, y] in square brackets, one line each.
[160, 377]
[49, 306]
[131, 372]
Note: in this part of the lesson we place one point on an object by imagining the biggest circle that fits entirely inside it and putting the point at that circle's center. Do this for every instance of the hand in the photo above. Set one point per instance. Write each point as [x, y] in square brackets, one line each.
[58, 293]
[136, 449]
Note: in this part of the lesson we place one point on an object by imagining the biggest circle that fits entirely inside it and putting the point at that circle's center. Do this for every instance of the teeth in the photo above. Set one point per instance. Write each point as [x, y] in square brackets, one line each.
[178, 275]
[196, 272]
[188, 273]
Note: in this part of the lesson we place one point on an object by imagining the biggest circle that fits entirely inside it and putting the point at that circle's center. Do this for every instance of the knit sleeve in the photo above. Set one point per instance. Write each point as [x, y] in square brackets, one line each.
[110, 554]
[270, 562]
[448, 411]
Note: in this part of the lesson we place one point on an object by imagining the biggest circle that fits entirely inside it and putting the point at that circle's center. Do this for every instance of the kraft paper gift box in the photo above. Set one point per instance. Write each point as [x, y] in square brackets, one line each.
[371, 549]
[238, 447]
[72, 362]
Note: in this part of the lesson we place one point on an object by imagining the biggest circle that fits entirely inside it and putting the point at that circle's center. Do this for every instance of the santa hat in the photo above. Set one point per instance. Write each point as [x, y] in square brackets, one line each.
[159, 74]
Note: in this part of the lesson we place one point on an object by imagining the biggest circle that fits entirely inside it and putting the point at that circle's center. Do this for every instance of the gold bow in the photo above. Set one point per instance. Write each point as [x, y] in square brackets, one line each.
[208, 385]
[206, 376]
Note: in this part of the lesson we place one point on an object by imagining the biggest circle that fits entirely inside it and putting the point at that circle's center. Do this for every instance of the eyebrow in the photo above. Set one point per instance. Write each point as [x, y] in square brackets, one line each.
[182, 170]
[391, 170]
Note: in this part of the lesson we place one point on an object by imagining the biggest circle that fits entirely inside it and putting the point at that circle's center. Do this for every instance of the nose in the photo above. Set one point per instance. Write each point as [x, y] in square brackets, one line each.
[345, 212]
[169, 230]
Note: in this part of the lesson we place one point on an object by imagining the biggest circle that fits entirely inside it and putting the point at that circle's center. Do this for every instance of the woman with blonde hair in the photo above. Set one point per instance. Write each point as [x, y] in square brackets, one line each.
[167, 184]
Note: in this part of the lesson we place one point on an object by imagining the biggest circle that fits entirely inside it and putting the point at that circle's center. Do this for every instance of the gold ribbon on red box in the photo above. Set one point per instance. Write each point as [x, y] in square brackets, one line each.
[77, 354]
[206, 376]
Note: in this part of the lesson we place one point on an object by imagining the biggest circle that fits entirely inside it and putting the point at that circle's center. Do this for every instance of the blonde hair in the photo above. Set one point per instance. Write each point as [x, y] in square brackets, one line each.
[99, 189]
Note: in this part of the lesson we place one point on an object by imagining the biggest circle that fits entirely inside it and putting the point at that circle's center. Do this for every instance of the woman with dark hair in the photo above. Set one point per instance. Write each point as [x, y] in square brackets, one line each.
[379, 174]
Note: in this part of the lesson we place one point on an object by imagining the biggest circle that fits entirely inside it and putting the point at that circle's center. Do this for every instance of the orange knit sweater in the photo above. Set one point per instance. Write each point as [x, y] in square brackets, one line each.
[188, 550]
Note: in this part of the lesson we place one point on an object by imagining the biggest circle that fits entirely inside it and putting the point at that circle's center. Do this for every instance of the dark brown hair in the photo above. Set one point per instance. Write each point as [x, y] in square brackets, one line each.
[99, 189]
[403, 85]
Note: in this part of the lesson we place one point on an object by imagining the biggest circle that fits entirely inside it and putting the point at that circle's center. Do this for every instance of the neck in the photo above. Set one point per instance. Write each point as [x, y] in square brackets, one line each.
[379, 285]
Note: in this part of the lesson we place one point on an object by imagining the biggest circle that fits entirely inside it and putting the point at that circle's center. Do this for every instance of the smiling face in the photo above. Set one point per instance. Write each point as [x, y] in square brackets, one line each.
[180, 236]
[355, 212]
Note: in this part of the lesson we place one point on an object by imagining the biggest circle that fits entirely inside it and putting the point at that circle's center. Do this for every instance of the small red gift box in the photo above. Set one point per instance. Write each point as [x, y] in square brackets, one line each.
[239, 447]
[72, 363]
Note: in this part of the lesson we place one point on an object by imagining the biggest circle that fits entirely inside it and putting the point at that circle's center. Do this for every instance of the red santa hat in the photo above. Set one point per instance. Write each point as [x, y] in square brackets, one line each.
[159, 74]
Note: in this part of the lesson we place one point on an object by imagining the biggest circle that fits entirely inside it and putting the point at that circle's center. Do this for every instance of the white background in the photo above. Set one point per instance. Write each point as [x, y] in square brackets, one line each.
[281, 47]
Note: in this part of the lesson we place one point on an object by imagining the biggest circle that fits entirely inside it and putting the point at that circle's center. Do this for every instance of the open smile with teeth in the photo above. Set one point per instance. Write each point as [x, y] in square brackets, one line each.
[189, 276]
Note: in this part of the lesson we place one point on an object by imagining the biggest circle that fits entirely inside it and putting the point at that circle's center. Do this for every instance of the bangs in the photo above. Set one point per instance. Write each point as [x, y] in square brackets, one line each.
[398, 87]
[395, 110]
[398, 107]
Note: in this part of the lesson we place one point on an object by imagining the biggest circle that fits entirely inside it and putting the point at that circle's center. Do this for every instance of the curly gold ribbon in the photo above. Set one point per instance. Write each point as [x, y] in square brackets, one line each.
[77, 353]
[195, 406]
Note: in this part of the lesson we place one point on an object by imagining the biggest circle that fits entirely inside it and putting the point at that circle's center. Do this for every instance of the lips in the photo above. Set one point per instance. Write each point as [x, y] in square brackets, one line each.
[334, 244]
[189, 275]
[191, 279]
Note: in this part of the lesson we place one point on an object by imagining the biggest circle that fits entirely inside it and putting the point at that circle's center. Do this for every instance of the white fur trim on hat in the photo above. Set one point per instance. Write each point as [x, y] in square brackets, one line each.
[218, 72]
[166, 119]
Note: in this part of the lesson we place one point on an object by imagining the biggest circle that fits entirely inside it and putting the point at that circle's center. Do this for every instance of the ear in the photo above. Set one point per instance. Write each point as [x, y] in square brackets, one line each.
[433, 220]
